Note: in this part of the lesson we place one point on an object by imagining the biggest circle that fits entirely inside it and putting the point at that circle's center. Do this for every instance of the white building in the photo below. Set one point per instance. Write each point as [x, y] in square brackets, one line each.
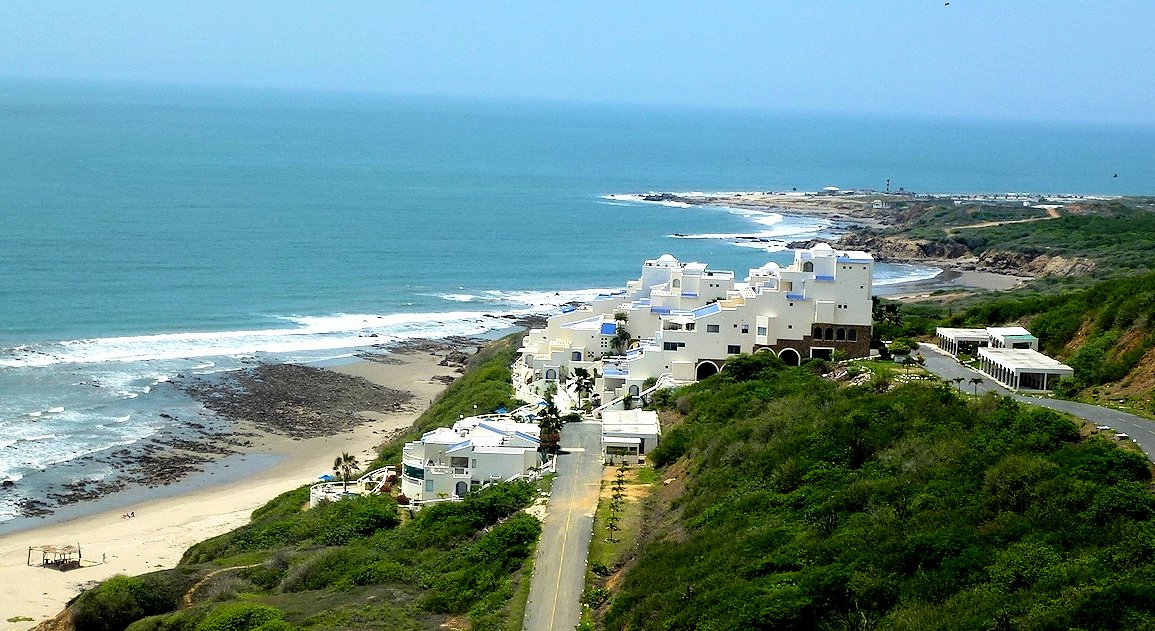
[1009, 355]
[685, 320]
[450, 462]
[628, 435]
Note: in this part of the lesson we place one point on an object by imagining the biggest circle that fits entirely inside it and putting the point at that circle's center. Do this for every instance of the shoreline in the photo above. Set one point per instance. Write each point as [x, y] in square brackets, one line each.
[950, 278]
[165, 526]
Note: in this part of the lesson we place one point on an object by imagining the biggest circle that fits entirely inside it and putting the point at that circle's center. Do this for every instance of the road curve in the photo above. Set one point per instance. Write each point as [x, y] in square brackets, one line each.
[1141, 430]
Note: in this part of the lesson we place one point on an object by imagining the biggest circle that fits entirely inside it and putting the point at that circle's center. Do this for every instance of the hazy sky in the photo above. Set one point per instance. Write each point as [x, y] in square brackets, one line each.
[1021, 59]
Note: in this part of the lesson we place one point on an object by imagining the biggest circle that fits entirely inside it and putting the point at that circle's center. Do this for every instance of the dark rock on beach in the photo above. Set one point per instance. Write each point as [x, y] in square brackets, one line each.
[297, 401]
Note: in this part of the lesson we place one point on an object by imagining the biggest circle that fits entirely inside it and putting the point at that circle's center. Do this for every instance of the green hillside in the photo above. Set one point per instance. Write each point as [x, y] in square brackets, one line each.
[798, 503]
[1106, 332]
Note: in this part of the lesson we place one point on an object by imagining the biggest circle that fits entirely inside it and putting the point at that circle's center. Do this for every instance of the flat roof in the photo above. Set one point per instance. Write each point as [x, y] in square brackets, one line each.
[956, 334]
[1007, 331]
[622, 440]
[1024, 360]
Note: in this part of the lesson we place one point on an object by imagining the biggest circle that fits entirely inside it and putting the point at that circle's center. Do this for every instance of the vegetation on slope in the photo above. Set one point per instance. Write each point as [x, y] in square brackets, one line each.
[810, 506]
[1106, 332]
[484, 387]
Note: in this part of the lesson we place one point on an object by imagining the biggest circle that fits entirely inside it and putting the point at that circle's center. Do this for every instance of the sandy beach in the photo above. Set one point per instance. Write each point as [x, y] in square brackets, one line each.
[162, 529]
[951, 280]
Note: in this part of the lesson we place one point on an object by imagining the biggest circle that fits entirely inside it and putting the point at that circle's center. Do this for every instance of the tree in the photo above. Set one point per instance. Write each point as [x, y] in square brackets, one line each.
[583, 382]
[344, 466]
[958, 382]
[550, 423]
[621, 340]
[975, 381]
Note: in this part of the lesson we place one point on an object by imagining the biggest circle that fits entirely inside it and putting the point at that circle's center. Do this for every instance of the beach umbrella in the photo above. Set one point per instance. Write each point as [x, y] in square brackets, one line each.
[325, 477]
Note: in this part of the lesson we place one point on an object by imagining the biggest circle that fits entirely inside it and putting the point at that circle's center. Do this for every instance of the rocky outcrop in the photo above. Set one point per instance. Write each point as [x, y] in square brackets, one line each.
[895, 249]
[1021, 263]
[900, 250]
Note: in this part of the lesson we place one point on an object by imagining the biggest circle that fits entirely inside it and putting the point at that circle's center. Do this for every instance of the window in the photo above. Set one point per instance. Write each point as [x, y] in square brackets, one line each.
[745, 328]
[761, 330]
[690, 326]
[672, 346]
[808, 266]
[733, 349]
[429, 486]
[852, 335]
[713, 328]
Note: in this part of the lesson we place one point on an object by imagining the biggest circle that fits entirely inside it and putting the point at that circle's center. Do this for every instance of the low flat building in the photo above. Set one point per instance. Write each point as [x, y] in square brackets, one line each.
[1008, 354]
[628, 435]
[1022, 368]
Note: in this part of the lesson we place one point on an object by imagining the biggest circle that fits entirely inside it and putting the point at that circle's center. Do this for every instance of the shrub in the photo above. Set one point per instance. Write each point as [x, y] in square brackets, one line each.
[122, 600]
[241, 616]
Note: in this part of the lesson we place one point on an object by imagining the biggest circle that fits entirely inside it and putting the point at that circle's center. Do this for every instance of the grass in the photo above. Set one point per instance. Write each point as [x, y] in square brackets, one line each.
[606, 557]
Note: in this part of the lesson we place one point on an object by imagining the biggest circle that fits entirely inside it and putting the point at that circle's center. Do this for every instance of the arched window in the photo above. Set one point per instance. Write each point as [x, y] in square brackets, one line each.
[634, 390]
[817, 332]
[550, 374]
[840, 334]
[852, 335]
[677, 283]
[576, 356]
[808, 266]
[829, 333]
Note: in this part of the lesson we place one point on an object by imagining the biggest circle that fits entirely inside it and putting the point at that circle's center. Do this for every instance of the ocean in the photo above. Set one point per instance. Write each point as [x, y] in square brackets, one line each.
[155, 231]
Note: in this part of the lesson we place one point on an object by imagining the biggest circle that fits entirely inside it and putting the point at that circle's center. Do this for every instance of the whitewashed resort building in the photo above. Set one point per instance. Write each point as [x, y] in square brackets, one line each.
[685, 320]
[448, 463]
[1009, 355]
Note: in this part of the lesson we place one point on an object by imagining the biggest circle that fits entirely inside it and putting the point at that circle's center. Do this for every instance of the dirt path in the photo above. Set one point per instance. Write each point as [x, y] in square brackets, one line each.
[187, 601]
[1052, 213]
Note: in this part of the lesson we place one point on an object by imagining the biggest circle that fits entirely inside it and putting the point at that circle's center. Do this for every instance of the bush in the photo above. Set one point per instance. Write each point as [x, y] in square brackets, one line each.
[240, 616]
[122, 600]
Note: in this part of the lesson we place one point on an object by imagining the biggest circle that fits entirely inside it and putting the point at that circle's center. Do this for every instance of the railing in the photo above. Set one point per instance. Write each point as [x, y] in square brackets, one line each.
[665, 380]
[335, 490]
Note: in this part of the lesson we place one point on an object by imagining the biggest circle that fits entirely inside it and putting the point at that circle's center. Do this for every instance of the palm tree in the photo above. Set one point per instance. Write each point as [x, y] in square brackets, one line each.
[975, 381]
[344, 466]
[958, 382]
[550, 423]
[621, 339]
[583, 381]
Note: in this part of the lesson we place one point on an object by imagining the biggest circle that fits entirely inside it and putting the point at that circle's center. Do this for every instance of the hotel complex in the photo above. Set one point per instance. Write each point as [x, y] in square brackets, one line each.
[685, 320]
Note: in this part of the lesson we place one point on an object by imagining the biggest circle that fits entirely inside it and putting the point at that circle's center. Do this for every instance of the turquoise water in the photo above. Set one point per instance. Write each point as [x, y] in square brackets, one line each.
[153, 231]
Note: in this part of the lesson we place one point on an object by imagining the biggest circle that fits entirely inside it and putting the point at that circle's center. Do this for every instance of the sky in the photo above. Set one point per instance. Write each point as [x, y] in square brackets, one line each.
[1024, 60]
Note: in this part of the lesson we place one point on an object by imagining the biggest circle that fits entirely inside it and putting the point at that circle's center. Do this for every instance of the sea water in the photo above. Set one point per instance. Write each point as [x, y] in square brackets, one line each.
[150, 232]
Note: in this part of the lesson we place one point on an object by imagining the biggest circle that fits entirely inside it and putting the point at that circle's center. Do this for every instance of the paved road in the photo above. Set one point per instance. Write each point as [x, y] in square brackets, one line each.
[1141, 430]
[559, 567]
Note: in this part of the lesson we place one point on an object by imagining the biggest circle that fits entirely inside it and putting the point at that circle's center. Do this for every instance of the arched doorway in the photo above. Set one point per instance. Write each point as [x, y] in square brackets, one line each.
[706, 369]
[790, 357]
[634, 390]
[576, 356]
[462, 489]
[550, 374]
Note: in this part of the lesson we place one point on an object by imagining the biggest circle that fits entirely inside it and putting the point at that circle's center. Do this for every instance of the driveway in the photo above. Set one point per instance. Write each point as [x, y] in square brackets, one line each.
[559, 567]
[1141, 430]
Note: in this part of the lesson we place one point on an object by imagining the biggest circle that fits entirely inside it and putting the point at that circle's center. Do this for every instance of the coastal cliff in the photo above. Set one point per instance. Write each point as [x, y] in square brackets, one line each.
[908, 250]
